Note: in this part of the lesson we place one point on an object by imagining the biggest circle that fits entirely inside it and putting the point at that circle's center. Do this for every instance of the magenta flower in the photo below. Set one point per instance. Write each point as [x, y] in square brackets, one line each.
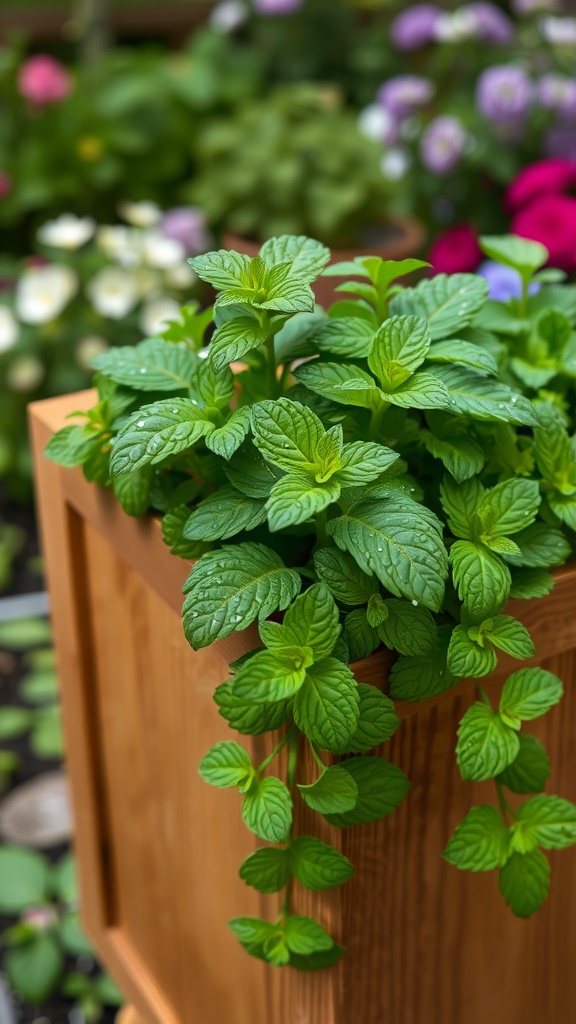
[551, 220]
[405, 93]
[558, 93]
[415, 26]
[546, 177]
[504, 93]
[43, 80]
[276, 6]
[5, 184]
[492, 25]
[456, 250]
[187, 225]
[443, 144]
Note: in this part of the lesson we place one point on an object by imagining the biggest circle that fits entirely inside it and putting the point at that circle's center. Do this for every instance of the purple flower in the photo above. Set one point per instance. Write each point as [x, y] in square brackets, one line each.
[504, 93]
[505, 283]
[443, 144]
[415, 26]
[187, 225]
[492, 25]
[405, 93]
[276, 6]
[533, 6]
[558, 93]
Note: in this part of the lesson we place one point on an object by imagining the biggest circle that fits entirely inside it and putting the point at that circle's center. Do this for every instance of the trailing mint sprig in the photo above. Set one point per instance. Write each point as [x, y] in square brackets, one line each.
[387, 474]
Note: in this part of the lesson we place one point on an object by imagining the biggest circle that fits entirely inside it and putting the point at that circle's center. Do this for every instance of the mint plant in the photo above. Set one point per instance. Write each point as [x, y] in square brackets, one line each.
[380, 474]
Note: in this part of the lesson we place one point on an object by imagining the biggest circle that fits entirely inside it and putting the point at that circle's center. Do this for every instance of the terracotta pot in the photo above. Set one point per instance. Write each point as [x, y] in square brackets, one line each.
[400, 238]
[159, 851]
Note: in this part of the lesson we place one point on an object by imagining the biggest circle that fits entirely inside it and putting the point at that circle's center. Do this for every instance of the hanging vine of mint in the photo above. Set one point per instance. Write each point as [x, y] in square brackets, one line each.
[391, 472]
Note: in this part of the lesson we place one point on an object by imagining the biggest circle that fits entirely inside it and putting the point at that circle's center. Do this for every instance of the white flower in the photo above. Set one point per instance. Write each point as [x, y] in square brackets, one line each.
[88, 348]
[67, 231]
[43, 292]
[395, 164]
[119, 243]
[156, 313]
[228, 15]
[159, 251]
[8, 329]
[559, 31]
[113, 292]
[142, 215]
[455, 27]
[376, 122]
[25, 374]
[181, 276]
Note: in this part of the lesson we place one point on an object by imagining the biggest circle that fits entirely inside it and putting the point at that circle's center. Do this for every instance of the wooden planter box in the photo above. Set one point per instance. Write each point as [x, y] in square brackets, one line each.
[159, 850]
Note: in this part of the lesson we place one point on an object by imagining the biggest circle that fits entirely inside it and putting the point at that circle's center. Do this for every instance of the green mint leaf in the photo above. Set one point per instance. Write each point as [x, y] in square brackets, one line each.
[377, 721]
[348, 385]
[287, 434]
[345, 336]
[462, 456]
[381, 788]
[317, 865]
[363, 461]
[530, 768]
[547, 821]
[267, 809]
[34, 967]
[399, 347]
[414, 678]
[71, 446]
[334, 790]
[313, 621]
[407, 629]
[377, 611]
[527, 694]
[295, 500]
[421, 391]
[486, 745]
[223, 514]
[552, 446]
[222, 269]
[234, 339]
[464, 352]
[361, 638]
[509, 507]
[304, 935]
[481, 841]
[481, 578]
[472, 394]
[267, 870]
[326, 706]
[157, 431]
[524, 882]
[564, 507]
[254, 934]
[511, 251]
[540, 547]
[466, 658]
[210, 388]
[529, 583]
[348, 583]
[246, 717]
[229, 588]
[398, 541]
[284, 290]
[500, 545]
[225, 440]
[317, 961]
[268, 677]
[448, 303]
[249, 472]
[133, 490]
[24, 878]
[460, 503]
[153, 365]
[510, 636]
[308, 258]
[173, 523]
[226, 764]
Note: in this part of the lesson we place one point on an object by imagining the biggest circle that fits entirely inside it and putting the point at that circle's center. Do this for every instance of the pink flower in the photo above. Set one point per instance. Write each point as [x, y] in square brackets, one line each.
[551, 220]
[5, 184]
[547, 177]
[43, 80]
[456, 250]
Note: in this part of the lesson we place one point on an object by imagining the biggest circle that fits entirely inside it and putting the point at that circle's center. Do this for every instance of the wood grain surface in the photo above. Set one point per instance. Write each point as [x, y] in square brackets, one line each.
[159, 851]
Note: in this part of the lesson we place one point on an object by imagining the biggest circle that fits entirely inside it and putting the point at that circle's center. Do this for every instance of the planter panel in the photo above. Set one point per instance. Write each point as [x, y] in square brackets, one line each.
[159, 850]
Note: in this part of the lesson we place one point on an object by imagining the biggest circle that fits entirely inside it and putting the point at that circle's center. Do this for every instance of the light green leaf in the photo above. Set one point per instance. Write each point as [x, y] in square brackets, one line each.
[304, 935]
[421, 391]
[229, 588]
[71, 446]
[475, 395]
[345, 336]
[313, 621]
[246, 717]
[377, 721]
[287, 433]
[24, 878]
[267, 809]
[234, 339]
[524, 882]
[157, 431]
[267, 870]
[399, 347]
[348, 385]
[285, 290]
[527, 694]
[317, 865]
[152, 365]
[400, 542]
[548, 821]
[334, 790]
[381, 788]
[225, 440]
[541, 547]
[326, 706]
[226, 764]
[509, 507]
[460, 503]
[250, 473]
[363, 461]
[14, 721]
[308, 258]
[481, 578]
[448, 303]
[481, 841]
[268, 677]
[512, 251]
[34, 968]
[486, 745]
[464, 352]
[511, 636]
[377, 610]
[294, 500]
[530, 768]
[223, 514]
[348, 583]
[466, 658]
[223, 269]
